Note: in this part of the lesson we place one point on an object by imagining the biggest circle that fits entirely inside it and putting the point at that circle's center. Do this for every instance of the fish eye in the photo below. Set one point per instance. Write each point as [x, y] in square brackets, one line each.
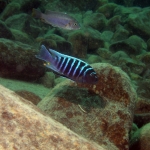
[75, 24]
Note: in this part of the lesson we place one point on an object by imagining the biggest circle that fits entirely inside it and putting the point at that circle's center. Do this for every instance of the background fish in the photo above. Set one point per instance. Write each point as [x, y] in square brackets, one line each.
[67, 66]
[57, 19]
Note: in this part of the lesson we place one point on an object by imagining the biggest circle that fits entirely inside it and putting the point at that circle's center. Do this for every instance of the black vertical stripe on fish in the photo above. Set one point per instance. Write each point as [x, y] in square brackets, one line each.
[63, 64]
[68, 66]
[77, 71]
[76, 68]
[73, 68]
[60, 62]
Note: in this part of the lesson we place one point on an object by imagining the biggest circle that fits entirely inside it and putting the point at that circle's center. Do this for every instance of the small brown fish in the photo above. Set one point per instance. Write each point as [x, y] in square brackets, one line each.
[57, 19]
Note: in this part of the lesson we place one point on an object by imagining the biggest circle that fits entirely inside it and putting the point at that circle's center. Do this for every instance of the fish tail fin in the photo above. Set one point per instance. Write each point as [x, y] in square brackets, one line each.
[36, 13]
[44, 54]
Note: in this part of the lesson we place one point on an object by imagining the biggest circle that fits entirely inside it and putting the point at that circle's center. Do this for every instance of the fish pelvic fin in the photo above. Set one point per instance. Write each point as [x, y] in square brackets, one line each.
[44, 54]
[36, 13]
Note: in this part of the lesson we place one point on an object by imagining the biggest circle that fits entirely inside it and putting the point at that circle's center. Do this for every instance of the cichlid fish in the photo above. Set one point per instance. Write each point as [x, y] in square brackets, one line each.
[57, 19]
[67, 66]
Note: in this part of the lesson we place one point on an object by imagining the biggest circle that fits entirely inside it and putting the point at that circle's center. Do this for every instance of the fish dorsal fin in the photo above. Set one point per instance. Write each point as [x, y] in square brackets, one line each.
[54, 12]
[54, 53]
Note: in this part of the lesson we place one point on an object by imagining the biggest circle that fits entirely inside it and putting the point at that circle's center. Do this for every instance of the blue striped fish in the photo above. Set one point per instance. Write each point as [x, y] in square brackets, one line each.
[67, 66]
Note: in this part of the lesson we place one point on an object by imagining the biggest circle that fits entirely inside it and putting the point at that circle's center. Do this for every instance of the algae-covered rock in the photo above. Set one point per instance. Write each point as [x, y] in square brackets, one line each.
[104, 53]
[107, 9]
[140, 139]
[133, 45]
[107, 35]
[5, 32]
[119, 35]
[48, 79]
[95, 20]
[85, 40]
[26, 23]
[57, 42]
[23, 37]
[124, 12]
[93, 59]
[142, 109]
[102, 112]
[82, 5]
[113, 23]
[17, 60]
[11, 9]
[140, 23]
[143, 88]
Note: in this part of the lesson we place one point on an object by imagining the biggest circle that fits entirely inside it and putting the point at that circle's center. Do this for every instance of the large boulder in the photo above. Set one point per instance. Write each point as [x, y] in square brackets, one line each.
[140, 23]
[86, 40]
[24, 126]
[17, 60]
[102, 112]
[140, 139]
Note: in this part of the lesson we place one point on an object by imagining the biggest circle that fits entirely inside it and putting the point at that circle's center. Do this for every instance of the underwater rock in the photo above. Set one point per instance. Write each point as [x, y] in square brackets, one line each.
[23, 37]
[102, 2]
[59, 80]
[93, 59]
[124, 12]
[146, 58]
[107, 9]
[28, 5]
[49, 43]
[148, 44]
[136, 67]
[28, 24]
[142, 111]
[48, 79]
[29, 96]
[127, 3]
[140, 23]
[119, 35]
[11, 9]
[134, 45]
[120, 57]
[141, 138]
[94, 40]
[17, 60]
[144, 88]
[113, 23]
[85, 40]
[79, 41]
[5, 32]
[24, 126]
[57, 42]
[107, 35]
[95, 20]
[16, 21]
[104, 53]
[82, 5]
[102, 112]
[142, 105]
